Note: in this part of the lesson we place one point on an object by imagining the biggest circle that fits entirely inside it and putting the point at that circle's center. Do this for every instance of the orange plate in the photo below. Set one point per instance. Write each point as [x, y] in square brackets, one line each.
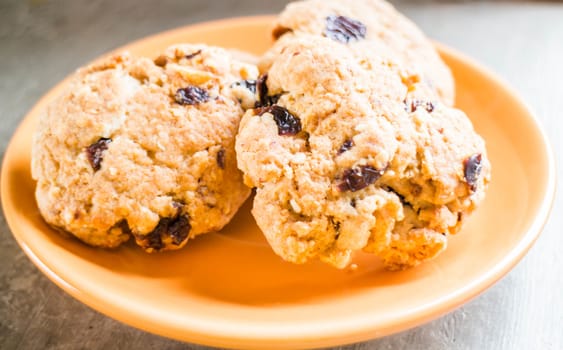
[229, 289]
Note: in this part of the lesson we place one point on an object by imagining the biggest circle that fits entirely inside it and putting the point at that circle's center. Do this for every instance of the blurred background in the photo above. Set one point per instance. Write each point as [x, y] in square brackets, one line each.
[42, 41]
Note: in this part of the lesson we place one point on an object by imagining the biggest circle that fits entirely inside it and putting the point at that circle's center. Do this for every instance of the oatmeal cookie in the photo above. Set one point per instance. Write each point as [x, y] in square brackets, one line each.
[347, 156]
[371, 27]
[143, 148]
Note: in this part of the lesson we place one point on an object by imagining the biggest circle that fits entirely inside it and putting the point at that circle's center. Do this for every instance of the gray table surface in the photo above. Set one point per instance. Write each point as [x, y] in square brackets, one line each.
[41, 41]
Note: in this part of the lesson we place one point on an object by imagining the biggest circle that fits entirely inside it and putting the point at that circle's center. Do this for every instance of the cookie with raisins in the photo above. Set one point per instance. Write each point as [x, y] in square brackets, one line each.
[346, 156]
[144, 148]
[370, 27]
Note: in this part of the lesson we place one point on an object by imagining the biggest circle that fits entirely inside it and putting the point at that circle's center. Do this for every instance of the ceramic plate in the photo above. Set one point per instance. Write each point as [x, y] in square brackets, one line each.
[229, 289]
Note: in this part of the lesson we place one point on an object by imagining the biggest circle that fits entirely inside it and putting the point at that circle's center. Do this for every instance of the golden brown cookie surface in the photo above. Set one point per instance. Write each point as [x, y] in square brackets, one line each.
[347, 156]
[370, 27]
[143, 148]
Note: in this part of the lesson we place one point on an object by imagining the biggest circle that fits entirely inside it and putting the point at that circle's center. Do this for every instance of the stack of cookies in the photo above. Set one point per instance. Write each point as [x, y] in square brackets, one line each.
[345, 129]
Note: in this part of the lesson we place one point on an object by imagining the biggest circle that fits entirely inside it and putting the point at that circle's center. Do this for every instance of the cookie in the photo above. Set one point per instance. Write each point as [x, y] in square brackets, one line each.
[371, 27]
[346, 156]
[143, 148]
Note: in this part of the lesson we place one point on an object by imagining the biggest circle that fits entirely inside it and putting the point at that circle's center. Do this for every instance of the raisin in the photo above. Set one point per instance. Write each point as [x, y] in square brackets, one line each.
[359, 178]
[177, 228]
[344, 29]
[279, 31]
[192, 55]
[152, 240]
[247, 84]
[221, 158]
[191, 95]
[288, 124]
[346, 146]
[262, 88]
[270, 100]
[472, 170]
[415, 104]
[95, 152]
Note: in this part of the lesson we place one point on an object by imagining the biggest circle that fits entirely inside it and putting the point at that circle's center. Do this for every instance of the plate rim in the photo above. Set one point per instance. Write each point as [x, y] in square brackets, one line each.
[362, 329]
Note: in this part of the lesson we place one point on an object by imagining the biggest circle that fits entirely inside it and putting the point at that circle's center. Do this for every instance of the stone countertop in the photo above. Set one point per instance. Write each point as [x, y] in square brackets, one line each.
[42, 41]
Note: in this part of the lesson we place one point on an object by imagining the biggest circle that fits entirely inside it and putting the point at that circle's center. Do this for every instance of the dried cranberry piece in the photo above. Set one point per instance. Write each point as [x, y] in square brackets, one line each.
[359, 178]
[192, 55]
[191, 95]
[95, 152]
[178, 228]
[344, 29]
[262, 89]
[221, 158]
[472, 170]
[346, 146]
[247, 84]
[288, 124]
